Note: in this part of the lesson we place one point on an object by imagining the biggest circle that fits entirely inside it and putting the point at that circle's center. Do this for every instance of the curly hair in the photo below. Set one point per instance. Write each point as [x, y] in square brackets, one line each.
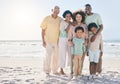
[91, 25]
[80, 13]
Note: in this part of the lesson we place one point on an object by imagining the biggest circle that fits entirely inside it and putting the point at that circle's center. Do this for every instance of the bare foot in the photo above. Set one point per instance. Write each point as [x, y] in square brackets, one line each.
[62, 73]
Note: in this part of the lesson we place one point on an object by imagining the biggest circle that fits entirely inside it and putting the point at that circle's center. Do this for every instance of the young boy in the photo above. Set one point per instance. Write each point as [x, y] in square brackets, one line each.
[78, 51]
[94, 49]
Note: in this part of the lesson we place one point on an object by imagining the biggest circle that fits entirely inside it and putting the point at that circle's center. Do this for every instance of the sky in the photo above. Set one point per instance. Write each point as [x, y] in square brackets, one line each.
[20, 19]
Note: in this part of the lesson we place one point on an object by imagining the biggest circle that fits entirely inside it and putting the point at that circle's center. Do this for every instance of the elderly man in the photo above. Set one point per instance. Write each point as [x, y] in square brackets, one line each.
[50, 33]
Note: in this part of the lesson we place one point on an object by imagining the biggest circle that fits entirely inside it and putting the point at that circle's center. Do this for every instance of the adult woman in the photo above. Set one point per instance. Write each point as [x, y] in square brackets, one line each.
[63, 40]
[79, 21]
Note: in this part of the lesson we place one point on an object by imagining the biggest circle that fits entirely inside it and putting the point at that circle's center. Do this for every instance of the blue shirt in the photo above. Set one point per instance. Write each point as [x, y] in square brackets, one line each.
[79, 47]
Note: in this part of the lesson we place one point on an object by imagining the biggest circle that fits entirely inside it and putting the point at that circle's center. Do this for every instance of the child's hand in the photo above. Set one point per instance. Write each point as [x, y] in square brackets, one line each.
[83, 57]
[85, 44]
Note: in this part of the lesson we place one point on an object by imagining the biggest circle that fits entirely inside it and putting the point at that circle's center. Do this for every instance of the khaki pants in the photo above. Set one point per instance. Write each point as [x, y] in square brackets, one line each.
[51, 58]
[82, 61]
[77, 65]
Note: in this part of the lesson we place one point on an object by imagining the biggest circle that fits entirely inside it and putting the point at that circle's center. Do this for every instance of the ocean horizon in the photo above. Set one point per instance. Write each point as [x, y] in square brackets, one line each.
[34, 48]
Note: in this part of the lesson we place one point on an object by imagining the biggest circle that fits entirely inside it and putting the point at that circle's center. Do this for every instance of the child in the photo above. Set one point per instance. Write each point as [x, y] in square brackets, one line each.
[94, 50]
[78, 51]
[79, 21]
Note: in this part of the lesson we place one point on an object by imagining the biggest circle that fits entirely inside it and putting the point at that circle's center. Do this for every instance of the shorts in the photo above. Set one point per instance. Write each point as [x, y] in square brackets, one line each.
[94, 56]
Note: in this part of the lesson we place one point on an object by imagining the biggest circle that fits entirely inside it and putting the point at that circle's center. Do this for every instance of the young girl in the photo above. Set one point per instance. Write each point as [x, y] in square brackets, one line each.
[79, 21]
[94, 50]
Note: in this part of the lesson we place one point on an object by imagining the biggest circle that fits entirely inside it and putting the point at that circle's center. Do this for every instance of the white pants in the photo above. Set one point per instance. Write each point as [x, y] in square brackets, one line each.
[64, 51]
[51, 58]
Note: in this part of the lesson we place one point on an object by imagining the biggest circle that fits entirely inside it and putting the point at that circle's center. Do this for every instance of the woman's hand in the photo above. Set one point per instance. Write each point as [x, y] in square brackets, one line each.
[70, 43]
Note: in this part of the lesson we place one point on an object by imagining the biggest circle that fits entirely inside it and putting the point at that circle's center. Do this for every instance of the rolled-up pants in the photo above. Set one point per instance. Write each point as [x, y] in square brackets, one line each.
[64, 51]
[51, 58]
[77, 65]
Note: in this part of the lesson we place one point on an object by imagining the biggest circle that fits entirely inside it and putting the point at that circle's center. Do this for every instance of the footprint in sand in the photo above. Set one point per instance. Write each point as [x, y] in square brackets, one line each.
[30, 80]
[8, 82]
[18, 80]
[5, 81]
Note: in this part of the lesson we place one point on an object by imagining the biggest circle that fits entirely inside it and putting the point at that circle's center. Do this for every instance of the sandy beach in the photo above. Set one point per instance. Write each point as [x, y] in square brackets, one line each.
[20, 70]
[22, 63]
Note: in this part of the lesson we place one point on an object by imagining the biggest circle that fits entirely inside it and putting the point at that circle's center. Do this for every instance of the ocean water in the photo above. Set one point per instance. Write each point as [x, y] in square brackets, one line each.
[112, 48]
[21, 49]
[33, 48]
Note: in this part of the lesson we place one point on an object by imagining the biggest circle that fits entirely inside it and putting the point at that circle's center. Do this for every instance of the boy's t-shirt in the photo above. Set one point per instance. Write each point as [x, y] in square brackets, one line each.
[79, 47]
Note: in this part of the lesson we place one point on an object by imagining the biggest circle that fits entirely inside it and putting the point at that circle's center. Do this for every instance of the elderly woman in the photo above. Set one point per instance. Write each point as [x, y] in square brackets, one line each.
[63, 41]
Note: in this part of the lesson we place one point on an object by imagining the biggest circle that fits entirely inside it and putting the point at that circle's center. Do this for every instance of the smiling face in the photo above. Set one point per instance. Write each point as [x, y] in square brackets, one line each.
[56, 10]
[79, 33]
[94, 30]
[68, 17]
[78, 18]
[88, 10]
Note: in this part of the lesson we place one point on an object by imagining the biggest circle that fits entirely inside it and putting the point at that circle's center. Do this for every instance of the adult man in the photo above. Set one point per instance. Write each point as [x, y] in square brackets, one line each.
[90, 18]
[50, 33]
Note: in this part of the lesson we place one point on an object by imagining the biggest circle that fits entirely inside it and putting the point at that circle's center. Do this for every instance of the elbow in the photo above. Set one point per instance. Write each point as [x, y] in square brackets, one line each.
[101, 27]
[92, 40]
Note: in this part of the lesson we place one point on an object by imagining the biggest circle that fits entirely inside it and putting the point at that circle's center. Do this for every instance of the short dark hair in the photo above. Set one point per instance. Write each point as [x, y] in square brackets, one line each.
[88, 5]
[79, 28]
[67, 12]
[80, 13]
[91, 25]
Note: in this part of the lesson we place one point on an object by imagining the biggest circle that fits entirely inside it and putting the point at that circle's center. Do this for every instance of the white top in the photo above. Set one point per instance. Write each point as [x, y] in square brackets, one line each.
[95, 45]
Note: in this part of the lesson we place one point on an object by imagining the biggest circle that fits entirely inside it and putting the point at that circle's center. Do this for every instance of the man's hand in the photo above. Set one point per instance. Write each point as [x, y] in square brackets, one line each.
[44, 44]
[43, 34]
[101, 54]
[87, 53]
